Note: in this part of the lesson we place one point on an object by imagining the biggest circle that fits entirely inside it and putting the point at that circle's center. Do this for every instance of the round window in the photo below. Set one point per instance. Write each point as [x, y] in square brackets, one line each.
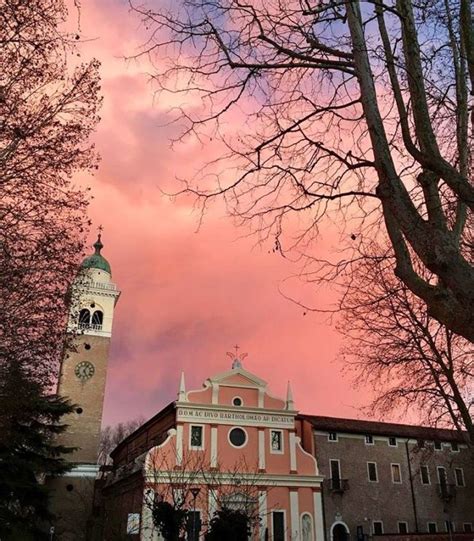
[237, 437]
[237, 401]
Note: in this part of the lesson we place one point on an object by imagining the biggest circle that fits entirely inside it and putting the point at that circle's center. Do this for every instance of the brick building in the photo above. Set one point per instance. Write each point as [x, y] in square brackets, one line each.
[383, 478]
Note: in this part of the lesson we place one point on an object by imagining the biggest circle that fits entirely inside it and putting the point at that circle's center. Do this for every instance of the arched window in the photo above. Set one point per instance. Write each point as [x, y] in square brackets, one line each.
[84, 318]
[97, 318]
[307, 527]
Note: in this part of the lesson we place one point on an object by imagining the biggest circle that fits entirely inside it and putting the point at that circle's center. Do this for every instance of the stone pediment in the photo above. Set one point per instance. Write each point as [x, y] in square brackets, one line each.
[238, 376]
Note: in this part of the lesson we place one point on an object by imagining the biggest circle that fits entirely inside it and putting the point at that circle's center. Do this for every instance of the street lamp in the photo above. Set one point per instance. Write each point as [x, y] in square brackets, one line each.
[194, 491]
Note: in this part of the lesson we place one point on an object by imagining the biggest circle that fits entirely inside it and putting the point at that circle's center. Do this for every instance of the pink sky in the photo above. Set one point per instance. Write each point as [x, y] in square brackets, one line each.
[187, 296]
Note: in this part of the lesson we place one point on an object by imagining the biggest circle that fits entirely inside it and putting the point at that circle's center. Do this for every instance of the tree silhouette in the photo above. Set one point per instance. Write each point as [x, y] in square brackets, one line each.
[412, 362]
[232, 525]
[47, 112]
[169, 520]
[356, 112]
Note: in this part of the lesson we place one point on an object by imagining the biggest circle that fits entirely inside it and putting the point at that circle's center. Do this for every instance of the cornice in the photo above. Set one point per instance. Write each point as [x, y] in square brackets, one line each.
[257, 479]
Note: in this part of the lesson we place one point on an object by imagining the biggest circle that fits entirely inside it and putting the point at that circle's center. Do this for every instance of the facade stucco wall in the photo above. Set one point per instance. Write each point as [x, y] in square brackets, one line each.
[269, 480]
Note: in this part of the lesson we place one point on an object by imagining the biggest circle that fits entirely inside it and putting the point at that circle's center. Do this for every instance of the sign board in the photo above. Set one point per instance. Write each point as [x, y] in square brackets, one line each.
[133, 523]
[231, 417]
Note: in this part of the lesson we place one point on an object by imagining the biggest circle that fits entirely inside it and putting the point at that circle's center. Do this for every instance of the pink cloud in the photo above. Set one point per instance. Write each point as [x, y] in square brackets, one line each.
[187, 297]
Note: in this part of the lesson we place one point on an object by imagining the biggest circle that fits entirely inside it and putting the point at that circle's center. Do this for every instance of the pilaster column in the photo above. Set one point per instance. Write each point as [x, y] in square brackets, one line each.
[261, 450]
[179, 444]
[294, 514]
[213, 446]
[147, 530]
[215, 393]
[318, 515]
[212, 503]
[292, 452]
[263, 513]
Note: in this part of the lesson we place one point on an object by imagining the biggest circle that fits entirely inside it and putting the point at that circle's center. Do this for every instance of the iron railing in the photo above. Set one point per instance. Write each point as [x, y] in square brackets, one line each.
[446, 492]
[338, 486]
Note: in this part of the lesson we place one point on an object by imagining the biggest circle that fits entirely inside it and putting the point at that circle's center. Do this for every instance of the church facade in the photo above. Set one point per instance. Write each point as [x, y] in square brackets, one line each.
[230, 444]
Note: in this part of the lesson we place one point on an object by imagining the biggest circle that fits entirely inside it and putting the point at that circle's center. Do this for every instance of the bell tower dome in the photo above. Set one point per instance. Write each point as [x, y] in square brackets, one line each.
[84, 369]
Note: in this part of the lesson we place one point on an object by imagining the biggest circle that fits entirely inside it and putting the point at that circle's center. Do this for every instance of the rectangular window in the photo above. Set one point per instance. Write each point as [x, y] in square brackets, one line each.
[437, 445]
[196, 440]
[449, 526]
[377, 527]
[396, 473]
[454, 446]
[443, 483]
[392, 441]
[193, 525]
[467, 527]
[442, 477]
[278, 525]
[459, 475]
[332, 436]
[372, 472]
[335, 474]
[403, 527]
[276, 441]
[432, 528]
[369, 439]
[425, 475]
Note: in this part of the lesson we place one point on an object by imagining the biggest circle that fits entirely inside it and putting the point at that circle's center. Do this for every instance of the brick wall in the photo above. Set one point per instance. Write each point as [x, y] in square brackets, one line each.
[85, 423]
[364, 502]
[426, 537]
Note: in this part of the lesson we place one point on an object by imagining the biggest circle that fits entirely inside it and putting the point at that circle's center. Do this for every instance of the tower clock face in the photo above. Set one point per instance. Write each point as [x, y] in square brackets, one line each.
[84, 370]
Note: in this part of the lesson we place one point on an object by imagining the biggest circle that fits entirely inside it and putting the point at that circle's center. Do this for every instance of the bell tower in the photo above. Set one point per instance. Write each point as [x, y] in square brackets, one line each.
[84, 369]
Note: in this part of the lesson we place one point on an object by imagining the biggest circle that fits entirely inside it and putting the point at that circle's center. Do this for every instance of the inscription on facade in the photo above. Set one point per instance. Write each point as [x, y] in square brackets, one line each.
[231, 417]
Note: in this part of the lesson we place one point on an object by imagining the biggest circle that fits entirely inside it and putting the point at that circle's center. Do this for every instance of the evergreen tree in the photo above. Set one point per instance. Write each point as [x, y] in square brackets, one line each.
[30, 420]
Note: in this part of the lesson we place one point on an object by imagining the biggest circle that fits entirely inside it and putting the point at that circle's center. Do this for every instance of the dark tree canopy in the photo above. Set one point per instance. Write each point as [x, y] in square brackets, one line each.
[29, 422]
[170, 520]
[353, 111]
[229, 524]
[47, 112]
